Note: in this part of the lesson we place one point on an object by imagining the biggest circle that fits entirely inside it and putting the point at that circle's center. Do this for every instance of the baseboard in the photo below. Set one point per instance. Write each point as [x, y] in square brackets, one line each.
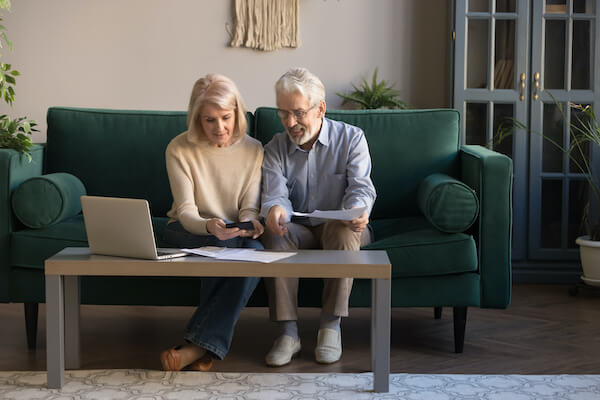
[546, 272]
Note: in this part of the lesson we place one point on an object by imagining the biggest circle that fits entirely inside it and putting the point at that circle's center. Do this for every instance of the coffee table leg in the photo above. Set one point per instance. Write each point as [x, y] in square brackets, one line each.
[380, 333]
[72, 300]
[55, 355]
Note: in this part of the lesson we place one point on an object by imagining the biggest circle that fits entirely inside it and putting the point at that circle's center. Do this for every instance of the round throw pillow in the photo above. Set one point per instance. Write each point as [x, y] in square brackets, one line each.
[48, 199]
[448, 204]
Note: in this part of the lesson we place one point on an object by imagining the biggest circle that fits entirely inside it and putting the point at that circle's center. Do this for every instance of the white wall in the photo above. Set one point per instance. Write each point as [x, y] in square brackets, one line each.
[146, 54]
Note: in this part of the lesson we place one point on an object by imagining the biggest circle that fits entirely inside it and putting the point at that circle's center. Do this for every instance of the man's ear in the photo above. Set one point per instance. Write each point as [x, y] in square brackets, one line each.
[322, 108]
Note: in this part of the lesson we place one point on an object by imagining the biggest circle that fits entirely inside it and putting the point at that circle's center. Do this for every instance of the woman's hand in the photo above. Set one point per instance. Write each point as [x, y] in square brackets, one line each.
[258, 230]
[216, 227]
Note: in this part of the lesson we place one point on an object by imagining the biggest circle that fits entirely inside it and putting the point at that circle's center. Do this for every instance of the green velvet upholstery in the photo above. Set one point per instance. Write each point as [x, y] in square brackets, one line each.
[115, 153]
[121, 153]
[45, 200]
[415, 248]
[447, 203]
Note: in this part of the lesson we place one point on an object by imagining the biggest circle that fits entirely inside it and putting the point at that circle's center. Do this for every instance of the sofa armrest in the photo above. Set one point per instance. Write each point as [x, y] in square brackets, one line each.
[14, 169]
[490, 174]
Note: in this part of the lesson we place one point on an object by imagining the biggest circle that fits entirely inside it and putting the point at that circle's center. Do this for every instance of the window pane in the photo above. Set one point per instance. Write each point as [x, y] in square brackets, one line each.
[553, 130]
[478, 6]
[504, 68]
[551, 213]
[505, 5]
[579, 120]
[556, 6]
[583, 6]
[476, 123]
[582, 44]
[578, 197]
[477, 53]
[503, 114]
[554, 59]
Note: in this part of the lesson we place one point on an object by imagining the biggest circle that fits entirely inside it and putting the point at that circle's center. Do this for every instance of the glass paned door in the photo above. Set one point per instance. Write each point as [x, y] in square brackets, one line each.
[490, 86]
[563, 72]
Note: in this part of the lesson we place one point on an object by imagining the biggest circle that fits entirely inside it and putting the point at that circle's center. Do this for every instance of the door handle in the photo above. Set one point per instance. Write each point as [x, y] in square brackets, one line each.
[536, 83]
[522, 96]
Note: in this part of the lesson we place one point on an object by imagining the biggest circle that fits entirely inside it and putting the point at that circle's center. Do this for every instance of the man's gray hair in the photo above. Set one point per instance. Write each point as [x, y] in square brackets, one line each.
[303, 81]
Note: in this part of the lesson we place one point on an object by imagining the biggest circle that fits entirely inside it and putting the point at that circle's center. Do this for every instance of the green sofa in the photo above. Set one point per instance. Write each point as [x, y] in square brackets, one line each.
[121, 153]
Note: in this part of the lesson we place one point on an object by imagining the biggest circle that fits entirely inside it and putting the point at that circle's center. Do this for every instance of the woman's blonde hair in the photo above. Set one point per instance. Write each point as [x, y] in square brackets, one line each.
[218, 90]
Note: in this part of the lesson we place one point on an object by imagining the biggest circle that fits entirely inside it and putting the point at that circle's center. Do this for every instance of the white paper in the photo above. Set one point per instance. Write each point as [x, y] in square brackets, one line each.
[345, 215]
[238, 254]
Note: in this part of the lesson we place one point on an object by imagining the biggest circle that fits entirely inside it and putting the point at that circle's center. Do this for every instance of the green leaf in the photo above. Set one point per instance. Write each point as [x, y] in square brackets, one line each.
[8, 42]
[5, 4]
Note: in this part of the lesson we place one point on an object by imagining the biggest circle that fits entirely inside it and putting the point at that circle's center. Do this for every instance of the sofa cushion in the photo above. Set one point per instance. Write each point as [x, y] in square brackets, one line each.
[48, 199]
[119, 153]
[405, 145]
[416, 248]
[50, 240]
[448, 204]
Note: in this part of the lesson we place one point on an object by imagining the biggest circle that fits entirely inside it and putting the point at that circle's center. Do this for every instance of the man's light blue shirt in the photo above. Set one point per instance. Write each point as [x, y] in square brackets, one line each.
[335, 174]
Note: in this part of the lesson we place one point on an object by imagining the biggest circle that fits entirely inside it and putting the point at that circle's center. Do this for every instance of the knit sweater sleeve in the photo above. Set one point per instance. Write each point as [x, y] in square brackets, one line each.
[250, 201]
[182, 188]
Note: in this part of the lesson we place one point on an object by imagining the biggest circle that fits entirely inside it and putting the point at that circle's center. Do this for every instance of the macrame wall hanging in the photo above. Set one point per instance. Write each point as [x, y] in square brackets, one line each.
[265, 24]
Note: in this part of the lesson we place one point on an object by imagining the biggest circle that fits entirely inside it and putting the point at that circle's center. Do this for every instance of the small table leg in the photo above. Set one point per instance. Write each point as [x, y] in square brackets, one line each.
[55, 339]
[380, 333]
[72, 300]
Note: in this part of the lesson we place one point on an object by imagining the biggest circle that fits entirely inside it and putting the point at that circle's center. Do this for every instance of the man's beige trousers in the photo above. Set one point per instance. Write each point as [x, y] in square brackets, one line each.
[332, 235]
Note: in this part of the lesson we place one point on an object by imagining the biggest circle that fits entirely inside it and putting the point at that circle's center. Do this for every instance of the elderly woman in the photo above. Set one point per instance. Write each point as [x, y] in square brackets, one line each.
[214, 170]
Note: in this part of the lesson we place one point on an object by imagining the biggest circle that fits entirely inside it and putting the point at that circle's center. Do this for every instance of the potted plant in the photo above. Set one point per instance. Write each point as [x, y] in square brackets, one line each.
[14, 133]
[584, 136]
[374, 95]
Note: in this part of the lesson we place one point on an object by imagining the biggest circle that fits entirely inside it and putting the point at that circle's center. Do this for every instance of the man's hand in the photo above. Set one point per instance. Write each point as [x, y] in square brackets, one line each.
[216, 227]
[256, 232]
[358, 224]
[276, 220]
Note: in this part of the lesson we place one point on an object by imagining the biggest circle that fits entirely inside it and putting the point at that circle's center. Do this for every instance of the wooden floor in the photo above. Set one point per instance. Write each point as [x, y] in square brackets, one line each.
[544, 331]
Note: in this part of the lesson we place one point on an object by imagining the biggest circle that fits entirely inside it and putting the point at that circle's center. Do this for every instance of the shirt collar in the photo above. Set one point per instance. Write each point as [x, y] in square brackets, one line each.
[323, 137]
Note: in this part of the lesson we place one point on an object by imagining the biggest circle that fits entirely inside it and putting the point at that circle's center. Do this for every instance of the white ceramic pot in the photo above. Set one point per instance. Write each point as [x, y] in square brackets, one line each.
[589, 251]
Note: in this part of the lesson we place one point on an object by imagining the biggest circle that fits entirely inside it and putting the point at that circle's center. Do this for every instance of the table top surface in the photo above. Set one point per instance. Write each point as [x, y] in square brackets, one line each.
[370, 264]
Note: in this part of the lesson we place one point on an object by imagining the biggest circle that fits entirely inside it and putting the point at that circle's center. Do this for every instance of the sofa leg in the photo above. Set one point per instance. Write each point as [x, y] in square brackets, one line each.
[460, 323]
[31, 321]
[437, 312]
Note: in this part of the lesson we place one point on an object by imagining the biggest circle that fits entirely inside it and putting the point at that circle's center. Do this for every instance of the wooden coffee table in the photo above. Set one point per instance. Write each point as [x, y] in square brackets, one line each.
[64, 269]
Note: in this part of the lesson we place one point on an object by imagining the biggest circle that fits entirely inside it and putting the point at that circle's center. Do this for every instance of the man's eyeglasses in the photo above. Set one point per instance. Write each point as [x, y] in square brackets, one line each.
[298, 114]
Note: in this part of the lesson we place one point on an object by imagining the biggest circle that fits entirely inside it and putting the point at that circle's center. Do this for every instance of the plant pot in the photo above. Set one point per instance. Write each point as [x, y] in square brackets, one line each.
[589, 250]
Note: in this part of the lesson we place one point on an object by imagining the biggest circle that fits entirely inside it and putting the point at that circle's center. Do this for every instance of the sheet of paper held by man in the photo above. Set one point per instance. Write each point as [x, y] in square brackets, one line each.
[237, 254]
[345, 215]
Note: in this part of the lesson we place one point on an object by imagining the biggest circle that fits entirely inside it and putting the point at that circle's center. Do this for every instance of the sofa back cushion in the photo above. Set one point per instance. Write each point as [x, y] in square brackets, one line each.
[115, 152]
[406, 146]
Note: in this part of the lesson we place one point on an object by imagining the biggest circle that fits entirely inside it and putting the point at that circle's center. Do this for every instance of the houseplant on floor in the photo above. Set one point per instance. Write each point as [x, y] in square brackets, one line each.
[584, 140]
[14, 133]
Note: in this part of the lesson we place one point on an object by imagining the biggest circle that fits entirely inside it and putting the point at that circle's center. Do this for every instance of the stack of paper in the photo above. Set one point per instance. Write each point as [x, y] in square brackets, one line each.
[237, 254]
[345, 215]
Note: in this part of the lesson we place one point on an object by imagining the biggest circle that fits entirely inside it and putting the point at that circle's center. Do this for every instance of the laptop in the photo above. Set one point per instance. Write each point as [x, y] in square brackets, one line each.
[123, 228]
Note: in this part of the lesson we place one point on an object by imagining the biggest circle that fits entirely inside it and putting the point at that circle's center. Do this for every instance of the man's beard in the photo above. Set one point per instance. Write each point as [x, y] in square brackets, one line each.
[299, 140]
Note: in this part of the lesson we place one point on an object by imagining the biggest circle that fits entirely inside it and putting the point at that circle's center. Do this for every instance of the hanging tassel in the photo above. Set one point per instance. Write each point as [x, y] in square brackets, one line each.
[265, 24]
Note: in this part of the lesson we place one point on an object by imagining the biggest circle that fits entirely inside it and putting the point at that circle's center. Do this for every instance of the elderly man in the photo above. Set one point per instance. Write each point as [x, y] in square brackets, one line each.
[316, 164]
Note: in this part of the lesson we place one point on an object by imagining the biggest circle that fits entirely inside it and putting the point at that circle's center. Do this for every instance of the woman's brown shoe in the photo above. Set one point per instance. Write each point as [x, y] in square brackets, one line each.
[171, 360]
[204, 363]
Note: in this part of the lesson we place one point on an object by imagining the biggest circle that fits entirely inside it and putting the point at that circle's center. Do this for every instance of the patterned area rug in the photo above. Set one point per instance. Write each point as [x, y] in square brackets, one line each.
[145, 385]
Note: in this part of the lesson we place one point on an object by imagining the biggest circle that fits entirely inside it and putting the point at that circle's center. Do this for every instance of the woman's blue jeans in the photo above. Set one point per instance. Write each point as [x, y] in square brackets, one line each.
[221, 299]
